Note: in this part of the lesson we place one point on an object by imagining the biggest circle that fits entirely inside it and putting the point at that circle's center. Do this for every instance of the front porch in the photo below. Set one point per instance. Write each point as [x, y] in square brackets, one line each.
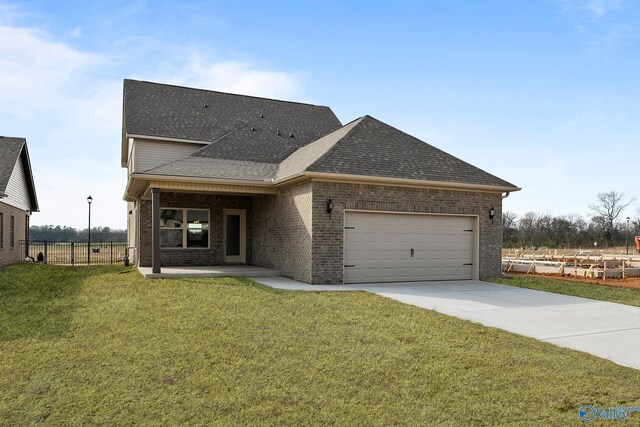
[215, 234]
[208, 271]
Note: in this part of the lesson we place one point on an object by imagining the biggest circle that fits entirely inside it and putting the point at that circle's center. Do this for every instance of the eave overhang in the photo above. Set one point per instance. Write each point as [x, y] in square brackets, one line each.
[139, 183]
[389, 181]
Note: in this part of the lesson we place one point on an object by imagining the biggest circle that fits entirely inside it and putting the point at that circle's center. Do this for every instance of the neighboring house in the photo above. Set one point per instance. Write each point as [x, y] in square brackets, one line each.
[216, 178]
[17, 198]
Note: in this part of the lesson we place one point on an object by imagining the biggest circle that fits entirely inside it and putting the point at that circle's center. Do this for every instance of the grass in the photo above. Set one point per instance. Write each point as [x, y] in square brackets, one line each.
[102, 345]
[580, 289]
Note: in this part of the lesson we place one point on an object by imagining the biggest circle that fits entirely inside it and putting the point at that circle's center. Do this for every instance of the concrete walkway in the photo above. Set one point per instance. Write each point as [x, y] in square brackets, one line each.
[604, 329]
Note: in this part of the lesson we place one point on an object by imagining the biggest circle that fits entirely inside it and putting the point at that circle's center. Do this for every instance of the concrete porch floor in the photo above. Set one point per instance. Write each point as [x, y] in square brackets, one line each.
[209, 271]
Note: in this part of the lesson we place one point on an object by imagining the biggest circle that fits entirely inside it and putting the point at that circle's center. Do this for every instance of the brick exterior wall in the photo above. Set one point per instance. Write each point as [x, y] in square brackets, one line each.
[196, 256]
[9, 255]
[292, 232]
[327, 244]
[282, 232]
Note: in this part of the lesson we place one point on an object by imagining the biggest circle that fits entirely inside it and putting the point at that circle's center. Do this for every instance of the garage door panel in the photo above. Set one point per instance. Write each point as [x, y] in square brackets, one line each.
[378, 245]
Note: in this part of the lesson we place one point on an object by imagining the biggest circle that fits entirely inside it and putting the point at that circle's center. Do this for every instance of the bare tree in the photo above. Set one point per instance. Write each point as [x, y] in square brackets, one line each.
[509, 219]
[609, 207]
[509, 227]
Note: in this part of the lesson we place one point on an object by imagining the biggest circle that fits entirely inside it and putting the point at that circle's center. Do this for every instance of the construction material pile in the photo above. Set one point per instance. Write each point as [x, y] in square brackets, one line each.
[579, 264]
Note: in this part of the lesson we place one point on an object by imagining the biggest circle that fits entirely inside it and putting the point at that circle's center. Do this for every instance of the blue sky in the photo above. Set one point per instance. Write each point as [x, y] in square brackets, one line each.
[544, 94]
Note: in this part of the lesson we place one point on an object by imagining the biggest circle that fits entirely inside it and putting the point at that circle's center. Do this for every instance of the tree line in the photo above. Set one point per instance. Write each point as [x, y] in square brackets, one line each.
[605, 227]
[59, 233]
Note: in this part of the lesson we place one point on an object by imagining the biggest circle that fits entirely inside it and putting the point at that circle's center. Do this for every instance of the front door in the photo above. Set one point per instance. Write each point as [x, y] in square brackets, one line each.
[234, 236]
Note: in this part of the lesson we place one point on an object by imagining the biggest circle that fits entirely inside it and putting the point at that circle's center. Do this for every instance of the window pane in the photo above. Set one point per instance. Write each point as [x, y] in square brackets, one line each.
[233, 235]
[171, 238]
[171, 218]
[11, 232]
[198, 229]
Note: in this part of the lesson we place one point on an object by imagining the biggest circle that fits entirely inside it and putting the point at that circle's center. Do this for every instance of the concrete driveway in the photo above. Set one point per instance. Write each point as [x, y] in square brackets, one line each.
[604, 329]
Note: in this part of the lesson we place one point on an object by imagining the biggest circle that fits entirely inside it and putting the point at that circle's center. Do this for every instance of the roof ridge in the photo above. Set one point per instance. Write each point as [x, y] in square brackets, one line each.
[320, 159]
[235, 129]
[285, 142]
[226, 93]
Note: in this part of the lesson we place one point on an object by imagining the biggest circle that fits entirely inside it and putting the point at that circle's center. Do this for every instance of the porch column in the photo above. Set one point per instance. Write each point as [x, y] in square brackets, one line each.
[155, 230]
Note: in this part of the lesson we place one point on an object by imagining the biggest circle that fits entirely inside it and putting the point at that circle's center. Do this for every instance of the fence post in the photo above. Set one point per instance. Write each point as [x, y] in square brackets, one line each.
[45, 251]
[72, 254]
[111, 262]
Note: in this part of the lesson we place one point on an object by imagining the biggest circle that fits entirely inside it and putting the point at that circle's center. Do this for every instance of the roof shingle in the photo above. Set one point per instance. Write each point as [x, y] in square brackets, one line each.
[370, 147]
[155, 109]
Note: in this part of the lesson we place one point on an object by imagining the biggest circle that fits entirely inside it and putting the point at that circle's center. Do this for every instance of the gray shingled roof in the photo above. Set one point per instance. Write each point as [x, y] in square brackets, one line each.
[12, 150]
[373, 148]
[309, 154]
[162, 110]
[257, 138]
[204, 167]
[250, 143]
[366, 147]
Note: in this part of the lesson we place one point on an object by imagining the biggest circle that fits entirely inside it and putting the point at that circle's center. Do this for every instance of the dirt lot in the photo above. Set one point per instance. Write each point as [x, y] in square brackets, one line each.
[629, 282]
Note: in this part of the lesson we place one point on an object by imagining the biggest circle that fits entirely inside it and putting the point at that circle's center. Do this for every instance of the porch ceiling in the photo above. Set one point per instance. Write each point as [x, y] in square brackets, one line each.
[143, 187]
[201, 187]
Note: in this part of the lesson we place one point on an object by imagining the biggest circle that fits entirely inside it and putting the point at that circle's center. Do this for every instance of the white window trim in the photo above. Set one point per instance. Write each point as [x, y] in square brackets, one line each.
[185, 228]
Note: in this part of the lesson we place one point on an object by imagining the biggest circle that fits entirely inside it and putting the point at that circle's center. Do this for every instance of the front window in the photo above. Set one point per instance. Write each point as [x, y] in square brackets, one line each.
[184, 228]
[12, 234]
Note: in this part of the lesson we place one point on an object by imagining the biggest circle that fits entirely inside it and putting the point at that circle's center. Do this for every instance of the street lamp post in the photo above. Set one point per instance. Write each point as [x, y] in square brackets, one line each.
[628, 219]
[89, 200]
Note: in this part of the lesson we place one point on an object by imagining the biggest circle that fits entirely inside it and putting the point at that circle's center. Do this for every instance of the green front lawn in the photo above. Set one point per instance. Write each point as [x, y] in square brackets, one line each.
[97, 345]
[579, 289]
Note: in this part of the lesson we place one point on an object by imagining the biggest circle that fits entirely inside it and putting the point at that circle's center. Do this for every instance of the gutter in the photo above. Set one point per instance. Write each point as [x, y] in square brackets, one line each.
[395, 181]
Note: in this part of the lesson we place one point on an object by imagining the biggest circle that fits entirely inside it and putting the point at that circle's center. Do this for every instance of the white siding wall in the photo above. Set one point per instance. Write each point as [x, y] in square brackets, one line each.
[17, 190]
[151, 154]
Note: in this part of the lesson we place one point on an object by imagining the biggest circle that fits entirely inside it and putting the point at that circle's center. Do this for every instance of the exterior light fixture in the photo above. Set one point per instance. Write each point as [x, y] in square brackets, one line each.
[492, 214]
[329, 206]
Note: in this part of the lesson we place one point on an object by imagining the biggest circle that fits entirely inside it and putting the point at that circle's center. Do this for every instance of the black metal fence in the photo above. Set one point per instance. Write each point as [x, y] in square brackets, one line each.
[74, 253]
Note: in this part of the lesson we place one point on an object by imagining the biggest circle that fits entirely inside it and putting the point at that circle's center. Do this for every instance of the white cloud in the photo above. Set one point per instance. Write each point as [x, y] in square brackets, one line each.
[70, 119]
[34, 69]
[52, 94]
[596, 8]
[232, 76]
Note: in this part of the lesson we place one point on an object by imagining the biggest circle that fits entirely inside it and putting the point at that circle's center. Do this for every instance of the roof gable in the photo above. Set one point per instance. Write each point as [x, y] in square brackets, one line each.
[15, 173]
[373, 148]
[306, 156]
[10, 149]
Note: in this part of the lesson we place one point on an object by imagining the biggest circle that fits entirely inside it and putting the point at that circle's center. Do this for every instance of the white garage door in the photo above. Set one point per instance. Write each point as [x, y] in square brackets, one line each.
[389, 247]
